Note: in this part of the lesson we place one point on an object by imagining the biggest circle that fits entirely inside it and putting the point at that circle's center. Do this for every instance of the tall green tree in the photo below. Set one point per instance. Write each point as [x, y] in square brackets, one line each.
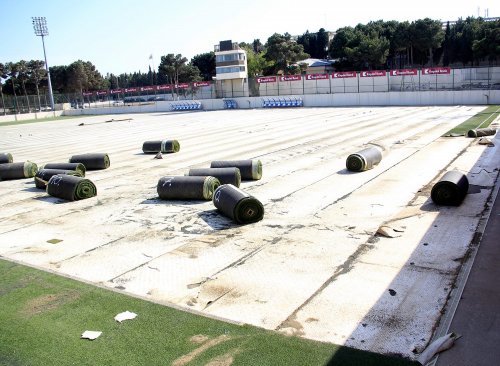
[256, 63]
[282, 51]
[171, 66]
[205, 62]
[426, 36]
[23, 76]
[37, 73]
[3, 76]
[12, 71]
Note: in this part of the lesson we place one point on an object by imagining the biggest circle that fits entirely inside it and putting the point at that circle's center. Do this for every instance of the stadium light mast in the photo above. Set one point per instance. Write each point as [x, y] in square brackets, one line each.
[40, 27]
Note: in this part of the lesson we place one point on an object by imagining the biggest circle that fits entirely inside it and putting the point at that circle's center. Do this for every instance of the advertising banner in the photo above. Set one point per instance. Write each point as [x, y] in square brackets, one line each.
[344, 74]
[374, 73]
[266, 79]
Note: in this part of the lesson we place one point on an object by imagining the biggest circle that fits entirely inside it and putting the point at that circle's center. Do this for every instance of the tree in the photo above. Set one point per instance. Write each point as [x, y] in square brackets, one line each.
[486, 44]
[3, 76]
[171, 66]
[12, 72]
[400, 43]
[282, 51]
[322, 40]
[23, 76]
[83, 76]
[256, 62]
[205, 62]
[36, 73]
[426, 35]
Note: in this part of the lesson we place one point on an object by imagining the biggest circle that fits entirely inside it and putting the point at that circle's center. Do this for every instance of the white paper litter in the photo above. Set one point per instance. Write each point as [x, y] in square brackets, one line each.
[126, 315]
[390, 231]
[439, 345]
[91, 334]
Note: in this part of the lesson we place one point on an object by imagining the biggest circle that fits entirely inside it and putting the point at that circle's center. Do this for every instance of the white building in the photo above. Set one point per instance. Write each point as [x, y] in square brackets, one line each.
[231, 70]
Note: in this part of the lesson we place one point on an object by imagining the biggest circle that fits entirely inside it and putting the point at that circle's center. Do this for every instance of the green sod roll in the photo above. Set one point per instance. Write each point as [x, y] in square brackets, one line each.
[6, 158]
[94, 161]
[364, 159]
[237, 204]
[481, 132]
[451, 189]
[79, 167]
[70, 187]
[224, 175]
[187, 187]
[10, 171]
[43, 176]
[249, 169]
[163, 146]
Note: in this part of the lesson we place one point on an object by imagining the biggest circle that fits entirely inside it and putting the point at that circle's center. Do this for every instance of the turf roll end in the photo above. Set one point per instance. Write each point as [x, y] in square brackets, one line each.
[187, 187]
[481, 132]
[237, 204]
[163, 146]
[10, 171]
[92, 161]
[6, 158]
[451, 189]
[364, 160]
[71, 188]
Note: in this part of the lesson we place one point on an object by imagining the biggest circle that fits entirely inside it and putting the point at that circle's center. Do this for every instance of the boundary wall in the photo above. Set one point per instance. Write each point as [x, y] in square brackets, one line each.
[417, 98]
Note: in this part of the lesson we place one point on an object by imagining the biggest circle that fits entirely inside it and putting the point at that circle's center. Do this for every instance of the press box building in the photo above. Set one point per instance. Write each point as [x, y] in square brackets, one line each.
[231, 70]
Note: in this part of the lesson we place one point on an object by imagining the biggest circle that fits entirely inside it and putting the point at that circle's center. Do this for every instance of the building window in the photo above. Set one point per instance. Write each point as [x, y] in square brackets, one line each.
[228, 69]
[230, 57]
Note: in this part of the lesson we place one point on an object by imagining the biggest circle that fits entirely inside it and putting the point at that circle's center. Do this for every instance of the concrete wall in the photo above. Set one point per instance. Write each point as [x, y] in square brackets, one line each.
[27, 116]
[421, 98]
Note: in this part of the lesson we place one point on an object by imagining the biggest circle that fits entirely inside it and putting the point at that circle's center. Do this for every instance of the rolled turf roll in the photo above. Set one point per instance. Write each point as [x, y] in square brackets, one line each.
[249, 169]
[364, 159]
[70, 187]
[6, 158]
[163, 146]
[481, 132]
[224, 175]
[237, 204]
[187, 187]
[94, 161]
[10, 171]
[451, 189]
[79, 167]
[44, 175]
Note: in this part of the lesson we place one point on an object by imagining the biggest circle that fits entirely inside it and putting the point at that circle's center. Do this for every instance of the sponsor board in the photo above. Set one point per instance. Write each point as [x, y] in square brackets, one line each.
[374, 73]
[344, 74]
[266, 79]
[316, 76]
[403, 72]
[436, 71]
[290, 78]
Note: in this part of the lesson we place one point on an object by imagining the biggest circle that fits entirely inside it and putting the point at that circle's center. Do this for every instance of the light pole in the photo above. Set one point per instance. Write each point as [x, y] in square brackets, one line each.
[40, 27]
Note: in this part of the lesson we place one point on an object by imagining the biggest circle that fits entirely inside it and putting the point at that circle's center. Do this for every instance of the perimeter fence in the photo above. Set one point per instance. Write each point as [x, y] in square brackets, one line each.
[383, 81]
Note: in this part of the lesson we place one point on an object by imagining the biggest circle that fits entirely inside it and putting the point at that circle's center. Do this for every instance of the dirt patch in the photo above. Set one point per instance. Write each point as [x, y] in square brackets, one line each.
[48, 302]
[199, 338]
[184, 360]
[223, 360]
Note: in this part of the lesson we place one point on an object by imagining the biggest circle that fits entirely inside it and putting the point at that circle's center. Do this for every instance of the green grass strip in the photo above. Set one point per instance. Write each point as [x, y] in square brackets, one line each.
[48, 119]
[43, 316]
[481, 120]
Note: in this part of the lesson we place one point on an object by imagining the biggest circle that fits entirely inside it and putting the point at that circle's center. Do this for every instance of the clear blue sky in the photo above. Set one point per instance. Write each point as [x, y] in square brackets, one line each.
[119, 36]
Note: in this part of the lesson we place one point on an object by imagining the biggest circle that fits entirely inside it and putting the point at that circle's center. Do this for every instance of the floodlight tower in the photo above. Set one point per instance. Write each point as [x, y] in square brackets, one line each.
[40, 27]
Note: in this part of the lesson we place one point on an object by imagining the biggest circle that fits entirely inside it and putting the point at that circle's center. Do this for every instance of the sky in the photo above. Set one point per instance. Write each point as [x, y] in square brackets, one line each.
[120, 36]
